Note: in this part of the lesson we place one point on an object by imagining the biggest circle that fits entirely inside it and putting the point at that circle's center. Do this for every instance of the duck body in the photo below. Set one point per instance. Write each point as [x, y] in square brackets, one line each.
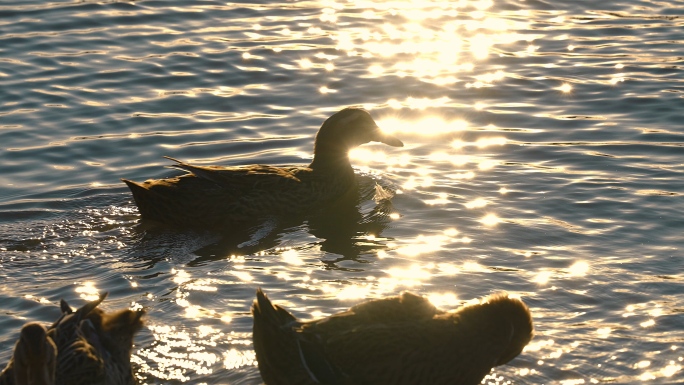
[400, 340]
[210, 196]
[95, 346]
[216, 195]
[34, 359]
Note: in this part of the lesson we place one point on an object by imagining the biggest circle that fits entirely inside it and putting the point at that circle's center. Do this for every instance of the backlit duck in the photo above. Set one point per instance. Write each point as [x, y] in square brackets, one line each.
[393, 341]
[95, 346]
[34, 359]
[212, 195]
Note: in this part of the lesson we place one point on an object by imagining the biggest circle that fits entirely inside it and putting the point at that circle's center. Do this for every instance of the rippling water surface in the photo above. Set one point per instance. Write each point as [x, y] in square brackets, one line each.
[544, 146]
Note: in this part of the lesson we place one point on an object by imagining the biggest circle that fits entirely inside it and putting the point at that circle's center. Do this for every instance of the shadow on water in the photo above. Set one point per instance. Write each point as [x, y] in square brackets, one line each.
[349, 228]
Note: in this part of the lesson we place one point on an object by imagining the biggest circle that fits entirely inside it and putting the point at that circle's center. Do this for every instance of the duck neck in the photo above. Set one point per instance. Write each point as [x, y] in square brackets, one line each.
[330, 159]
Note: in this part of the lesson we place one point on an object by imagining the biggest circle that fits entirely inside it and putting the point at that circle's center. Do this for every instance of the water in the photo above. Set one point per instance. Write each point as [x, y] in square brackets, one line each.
[543, 156]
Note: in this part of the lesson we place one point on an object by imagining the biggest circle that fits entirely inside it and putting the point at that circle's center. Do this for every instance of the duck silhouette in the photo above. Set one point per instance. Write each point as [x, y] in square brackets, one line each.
[34, 358]
[402, 340]
[220, 195]
[94, 346]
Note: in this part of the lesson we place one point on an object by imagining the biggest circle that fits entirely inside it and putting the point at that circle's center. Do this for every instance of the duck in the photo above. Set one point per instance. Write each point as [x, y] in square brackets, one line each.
[400, 340]
[94, 346]
[233, 195]
[34, 358]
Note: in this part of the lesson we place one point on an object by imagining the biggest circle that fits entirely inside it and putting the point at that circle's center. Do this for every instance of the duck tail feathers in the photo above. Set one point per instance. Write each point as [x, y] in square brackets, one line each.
[199, 171]
[265, 312]
[180, 165]
[136, 188]
[86, 309]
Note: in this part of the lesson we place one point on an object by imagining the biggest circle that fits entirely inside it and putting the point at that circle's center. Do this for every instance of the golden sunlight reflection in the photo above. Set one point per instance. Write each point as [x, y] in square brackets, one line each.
[305, 63]
[291, 257]
[443, 300]
[448, 268]
[353, 292]
[490, 220]
[451, 232]
[428, 126]
[416, 47]
[542, 278]
[186, 284]
[410, 276]
[326, 90]
[441, 199]
[579, 269]
[461, 175]
[88, 291]
[537, 345]
[671, 369]
[427, 243]
[243, 276]
[474, 267]
[604, 332]
[42, 300]
[647, 324]
[476, 203]
[493, 141]
[226, 317]
[487, 164]
[451, 269]
[235, 359]
[642, 364]
[565, 88]
[456, 160]
[177, 351]
[480, 45]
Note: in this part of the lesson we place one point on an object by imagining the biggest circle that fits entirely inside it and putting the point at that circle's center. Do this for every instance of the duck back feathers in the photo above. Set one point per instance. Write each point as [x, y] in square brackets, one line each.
[397, 340]
[95, 346]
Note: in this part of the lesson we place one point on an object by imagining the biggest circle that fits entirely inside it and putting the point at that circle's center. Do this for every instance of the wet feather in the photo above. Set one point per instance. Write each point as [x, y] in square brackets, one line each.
[397, 340]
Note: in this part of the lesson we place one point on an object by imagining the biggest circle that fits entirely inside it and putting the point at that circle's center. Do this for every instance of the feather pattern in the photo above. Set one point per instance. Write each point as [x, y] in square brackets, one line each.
[401, 340]
[95, 346]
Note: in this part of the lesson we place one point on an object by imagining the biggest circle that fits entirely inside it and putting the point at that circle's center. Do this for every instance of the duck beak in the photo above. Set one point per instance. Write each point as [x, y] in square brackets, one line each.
[388, 139]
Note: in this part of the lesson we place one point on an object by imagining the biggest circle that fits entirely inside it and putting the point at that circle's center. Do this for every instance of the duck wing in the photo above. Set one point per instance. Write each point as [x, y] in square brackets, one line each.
[317, 339]
[234, 177]
[408, 353]
[79, 360]
[70, 320]
[407, 307]
[449, 348]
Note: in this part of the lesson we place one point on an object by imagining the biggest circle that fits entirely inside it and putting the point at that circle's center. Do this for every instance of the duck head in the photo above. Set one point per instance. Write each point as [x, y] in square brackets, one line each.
[345, 130]
[35, 357]
[500, 321]
[519, 324]
[117, 329]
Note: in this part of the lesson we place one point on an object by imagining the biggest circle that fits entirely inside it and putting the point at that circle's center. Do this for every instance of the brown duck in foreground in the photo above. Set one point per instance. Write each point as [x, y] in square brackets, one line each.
[84, 347]
[34, 359]
[215, 195]
[392, 341]
[95, 346]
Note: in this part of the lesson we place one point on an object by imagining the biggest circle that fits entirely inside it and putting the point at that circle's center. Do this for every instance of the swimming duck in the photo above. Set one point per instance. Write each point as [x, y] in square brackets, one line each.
[397, 340]
[212, 195]
[34, 359]
[95, 346]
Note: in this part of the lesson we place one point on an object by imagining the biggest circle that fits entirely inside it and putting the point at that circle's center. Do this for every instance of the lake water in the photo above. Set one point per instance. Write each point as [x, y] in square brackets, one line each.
[544, 156]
